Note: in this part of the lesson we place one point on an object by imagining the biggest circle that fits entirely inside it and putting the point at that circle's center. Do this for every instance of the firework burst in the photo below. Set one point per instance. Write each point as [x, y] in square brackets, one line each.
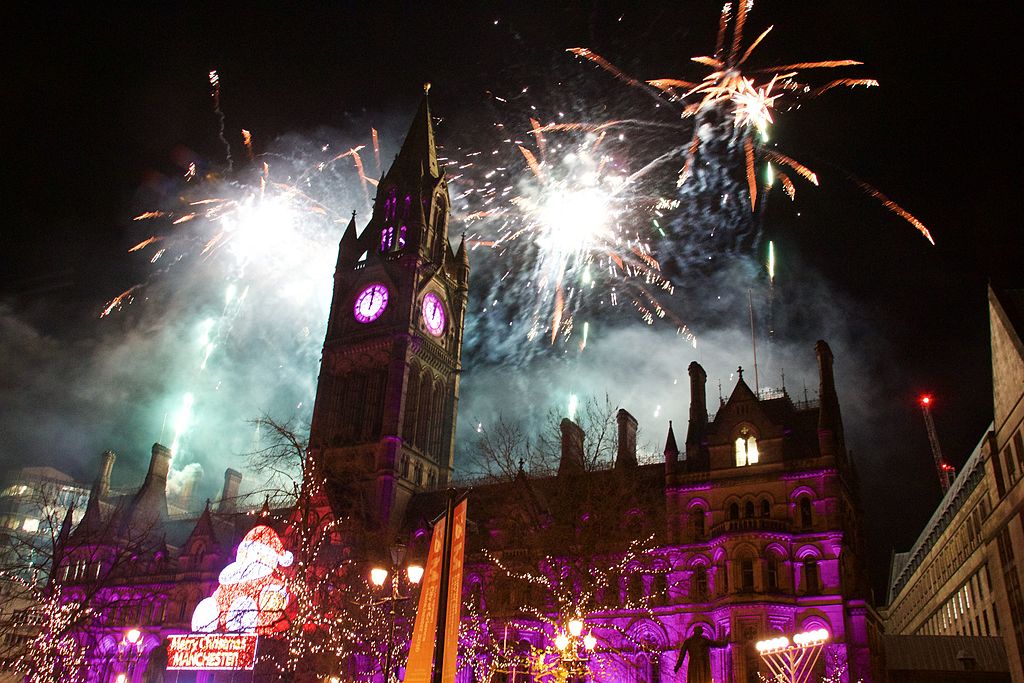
[563, 248]
[244, 256]
[749, 98]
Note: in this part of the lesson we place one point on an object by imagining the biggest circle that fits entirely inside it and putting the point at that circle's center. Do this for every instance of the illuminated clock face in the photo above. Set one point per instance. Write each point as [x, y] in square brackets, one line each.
[370, 303]
[433, 314]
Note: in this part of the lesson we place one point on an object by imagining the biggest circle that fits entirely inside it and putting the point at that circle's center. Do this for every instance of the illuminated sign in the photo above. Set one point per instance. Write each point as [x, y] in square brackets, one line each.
[228, 651]
[252, 596]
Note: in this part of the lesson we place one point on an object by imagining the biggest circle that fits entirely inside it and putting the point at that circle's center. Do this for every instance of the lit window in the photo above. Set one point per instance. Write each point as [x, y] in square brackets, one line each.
[746, 449]
[31, 525]
[387, 236]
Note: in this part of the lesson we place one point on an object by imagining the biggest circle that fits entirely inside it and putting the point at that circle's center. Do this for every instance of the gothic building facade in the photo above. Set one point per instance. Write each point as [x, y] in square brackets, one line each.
[748, 529]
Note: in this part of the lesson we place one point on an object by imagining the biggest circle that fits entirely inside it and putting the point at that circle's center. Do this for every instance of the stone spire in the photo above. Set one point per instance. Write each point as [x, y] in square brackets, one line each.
[462, 264]
[418, 156]
[671, 450]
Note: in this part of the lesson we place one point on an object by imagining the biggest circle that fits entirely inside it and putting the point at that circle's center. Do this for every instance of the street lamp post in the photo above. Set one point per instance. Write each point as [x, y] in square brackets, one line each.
[378, 577]
[574, 648]
[130, 651]
[793, 662]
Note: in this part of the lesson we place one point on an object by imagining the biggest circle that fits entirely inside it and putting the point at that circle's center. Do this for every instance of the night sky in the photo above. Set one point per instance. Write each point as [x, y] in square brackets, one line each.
[102, 106]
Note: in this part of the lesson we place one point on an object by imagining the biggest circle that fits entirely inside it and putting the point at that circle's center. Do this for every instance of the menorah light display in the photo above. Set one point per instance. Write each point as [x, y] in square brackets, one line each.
[793, 662]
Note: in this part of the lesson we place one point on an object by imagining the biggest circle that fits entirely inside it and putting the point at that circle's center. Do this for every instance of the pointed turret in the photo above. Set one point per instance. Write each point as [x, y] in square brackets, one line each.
[61, 542]
[462, 264]
[348, 250]
[671, 450]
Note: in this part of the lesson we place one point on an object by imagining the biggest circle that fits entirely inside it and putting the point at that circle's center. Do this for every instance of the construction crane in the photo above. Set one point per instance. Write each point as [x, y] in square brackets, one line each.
[945, 471]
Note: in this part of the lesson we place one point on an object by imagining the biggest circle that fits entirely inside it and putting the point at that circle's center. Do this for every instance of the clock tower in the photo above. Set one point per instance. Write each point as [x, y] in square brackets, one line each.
[387, 397]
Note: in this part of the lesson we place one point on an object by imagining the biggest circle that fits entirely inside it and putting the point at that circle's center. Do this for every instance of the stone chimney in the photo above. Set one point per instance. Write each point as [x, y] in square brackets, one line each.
[572, 448]
[626, 455]
[830, 422]
[188, 488]
[229, 495]
[101, 487]
[159, 465]
[697, 430]
[148, 509]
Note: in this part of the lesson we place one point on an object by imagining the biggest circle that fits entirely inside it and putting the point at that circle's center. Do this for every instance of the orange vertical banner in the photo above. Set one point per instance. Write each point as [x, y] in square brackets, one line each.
[421, 649]
[454, 606]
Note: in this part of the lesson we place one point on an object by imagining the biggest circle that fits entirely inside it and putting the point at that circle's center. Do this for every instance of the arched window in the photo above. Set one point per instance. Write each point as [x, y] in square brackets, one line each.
[475, 595]
[698, 522]
[389, 205]
[648, 669]
[700, 582]
[747, 575]
[766, 508]
[387, 238]
[748, 509]
[734, 511]
[659, 589]
[772, 573]
[405, 466]
[635, 588]
[417, 476]
[805, 512]
[425, 412]
[401, 237]
[411, 407]
[611, 592]
[812, 576]
[746, 448]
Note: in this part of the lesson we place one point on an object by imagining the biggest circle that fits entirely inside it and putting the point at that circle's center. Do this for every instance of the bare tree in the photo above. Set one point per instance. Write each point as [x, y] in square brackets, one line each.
[501, 449]
[504, 447]
[336, 623]
[58, 587]
[596, 417]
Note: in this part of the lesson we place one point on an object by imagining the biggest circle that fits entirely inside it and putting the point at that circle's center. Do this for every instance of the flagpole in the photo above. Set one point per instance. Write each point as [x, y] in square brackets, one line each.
[442, 612]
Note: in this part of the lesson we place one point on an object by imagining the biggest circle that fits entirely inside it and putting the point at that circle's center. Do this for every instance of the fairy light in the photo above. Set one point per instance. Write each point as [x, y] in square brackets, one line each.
[577, 605]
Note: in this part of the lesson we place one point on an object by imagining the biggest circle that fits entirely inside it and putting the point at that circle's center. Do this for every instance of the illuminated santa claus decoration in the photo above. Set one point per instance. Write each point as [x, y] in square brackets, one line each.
[252, 596]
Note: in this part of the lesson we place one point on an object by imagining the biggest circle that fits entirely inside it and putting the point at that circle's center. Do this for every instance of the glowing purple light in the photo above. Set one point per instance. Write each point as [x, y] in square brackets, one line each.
[433, 314]
[370, 303]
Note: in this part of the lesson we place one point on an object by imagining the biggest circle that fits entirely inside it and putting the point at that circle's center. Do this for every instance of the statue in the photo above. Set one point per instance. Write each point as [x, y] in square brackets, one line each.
[698, 647]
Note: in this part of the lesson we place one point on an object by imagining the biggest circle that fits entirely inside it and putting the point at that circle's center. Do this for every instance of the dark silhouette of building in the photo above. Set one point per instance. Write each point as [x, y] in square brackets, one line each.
[388, 393]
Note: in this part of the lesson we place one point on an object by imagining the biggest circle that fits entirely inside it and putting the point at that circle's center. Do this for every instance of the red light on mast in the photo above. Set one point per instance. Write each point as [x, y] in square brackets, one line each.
[926, 399]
